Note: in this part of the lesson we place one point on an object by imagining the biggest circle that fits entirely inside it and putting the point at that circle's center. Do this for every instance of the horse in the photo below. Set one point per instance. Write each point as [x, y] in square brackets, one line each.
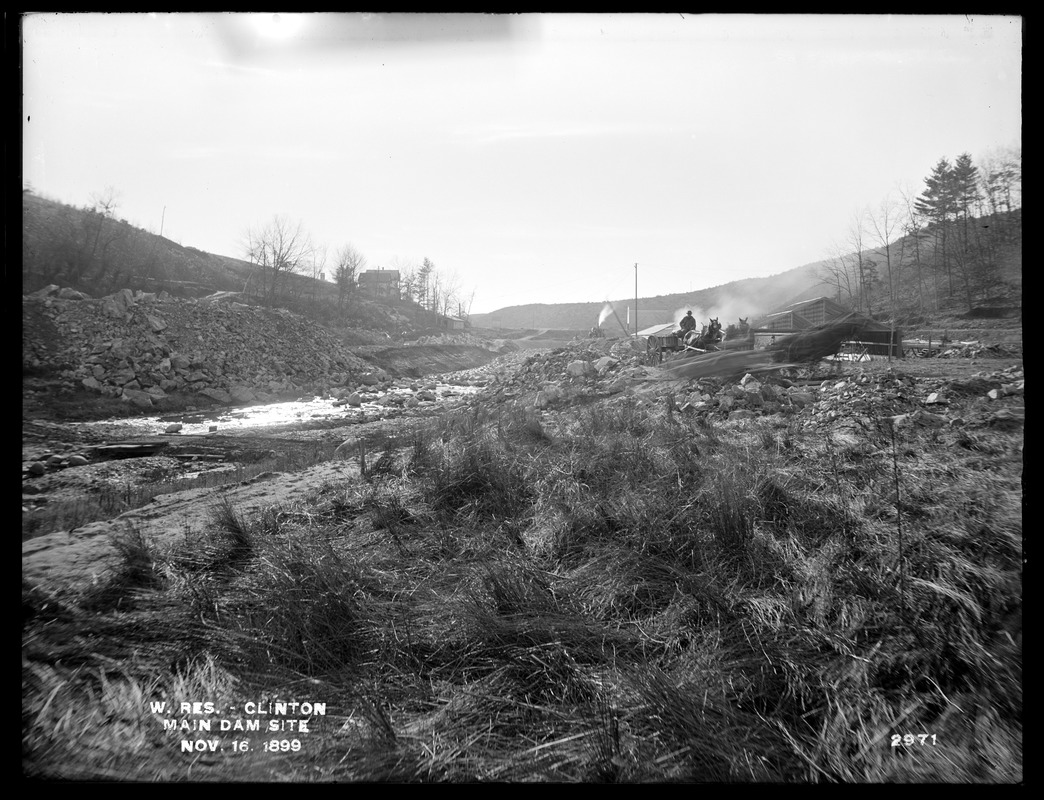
[707, 339]
[714, 331]
[740, 337]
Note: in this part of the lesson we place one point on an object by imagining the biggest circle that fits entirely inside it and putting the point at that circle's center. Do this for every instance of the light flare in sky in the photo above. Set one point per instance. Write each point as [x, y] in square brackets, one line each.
[278, 27]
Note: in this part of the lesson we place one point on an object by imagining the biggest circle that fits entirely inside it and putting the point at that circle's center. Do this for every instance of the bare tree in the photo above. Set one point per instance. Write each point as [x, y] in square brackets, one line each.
[103, 230]
[865, 267]
[916, 235]
[837, 270]
[886, 227]
[278, 249]
[448, 293]
[464, 306]
[350, 262]
[1000, 175]
[409, 282]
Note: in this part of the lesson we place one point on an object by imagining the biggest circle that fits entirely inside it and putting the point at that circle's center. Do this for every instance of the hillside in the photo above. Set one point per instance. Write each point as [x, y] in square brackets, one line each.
[93, 253]
[748, 297]
[926, 273]
[98, 254]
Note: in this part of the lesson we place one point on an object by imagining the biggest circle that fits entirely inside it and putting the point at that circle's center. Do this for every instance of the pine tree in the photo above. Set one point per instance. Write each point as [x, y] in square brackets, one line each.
[424, 277]
[964, 190]
[937, 204]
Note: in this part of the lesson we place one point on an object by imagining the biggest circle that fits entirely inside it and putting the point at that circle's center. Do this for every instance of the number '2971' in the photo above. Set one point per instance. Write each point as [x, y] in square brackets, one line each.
[910, 739]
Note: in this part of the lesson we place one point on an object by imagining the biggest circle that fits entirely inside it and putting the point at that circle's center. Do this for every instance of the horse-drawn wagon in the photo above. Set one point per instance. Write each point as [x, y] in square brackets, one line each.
[665, 342]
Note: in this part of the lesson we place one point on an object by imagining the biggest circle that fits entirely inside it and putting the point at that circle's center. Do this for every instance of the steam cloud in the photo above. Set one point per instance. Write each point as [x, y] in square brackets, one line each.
[727, 311]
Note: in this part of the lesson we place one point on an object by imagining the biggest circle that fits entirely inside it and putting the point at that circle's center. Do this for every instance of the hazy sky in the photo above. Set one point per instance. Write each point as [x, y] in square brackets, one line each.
[536, 158]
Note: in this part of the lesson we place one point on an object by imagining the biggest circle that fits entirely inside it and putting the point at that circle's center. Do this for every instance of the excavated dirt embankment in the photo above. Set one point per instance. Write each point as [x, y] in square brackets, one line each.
[141, 347]
[429, 359]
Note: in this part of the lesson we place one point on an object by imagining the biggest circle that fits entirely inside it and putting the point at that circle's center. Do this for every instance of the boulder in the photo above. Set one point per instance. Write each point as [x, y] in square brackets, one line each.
[801, 399]
[578, 369]
[137, 397]
[242, 394]
[220, 395]
[111, 309]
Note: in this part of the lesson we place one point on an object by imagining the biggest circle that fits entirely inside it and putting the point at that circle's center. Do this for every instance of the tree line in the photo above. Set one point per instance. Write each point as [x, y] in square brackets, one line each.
[958, 240]
[281, 248]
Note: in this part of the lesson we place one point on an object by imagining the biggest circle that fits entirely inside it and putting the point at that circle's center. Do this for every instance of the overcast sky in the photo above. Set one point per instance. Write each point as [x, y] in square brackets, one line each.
[535, 158]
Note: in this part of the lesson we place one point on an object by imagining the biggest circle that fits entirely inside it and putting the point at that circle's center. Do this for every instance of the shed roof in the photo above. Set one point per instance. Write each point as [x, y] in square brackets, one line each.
[784, 320]
[659, 330]
[832, 308]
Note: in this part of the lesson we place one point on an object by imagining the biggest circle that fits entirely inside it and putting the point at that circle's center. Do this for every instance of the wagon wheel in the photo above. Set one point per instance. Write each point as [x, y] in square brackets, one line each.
[653, 351]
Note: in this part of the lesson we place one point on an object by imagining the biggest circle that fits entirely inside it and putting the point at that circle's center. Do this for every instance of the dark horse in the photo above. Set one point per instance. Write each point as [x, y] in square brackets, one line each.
[708, 339]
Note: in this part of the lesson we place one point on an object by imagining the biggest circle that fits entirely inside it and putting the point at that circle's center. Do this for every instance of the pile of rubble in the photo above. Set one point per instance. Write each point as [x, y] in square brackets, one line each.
[141, 346]
[592, 370]
[557, 377]
[978, 350]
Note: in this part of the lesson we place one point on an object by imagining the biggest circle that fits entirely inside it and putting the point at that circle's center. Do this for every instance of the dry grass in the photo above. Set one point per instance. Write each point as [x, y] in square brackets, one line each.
[627, 597]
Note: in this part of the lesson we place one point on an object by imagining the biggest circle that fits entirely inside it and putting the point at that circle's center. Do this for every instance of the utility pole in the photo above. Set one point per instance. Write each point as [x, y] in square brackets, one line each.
[163, 216]
[635, 299]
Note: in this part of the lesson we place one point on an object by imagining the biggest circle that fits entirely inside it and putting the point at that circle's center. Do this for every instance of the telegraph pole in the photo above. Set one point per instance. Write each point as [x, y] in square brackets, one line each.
[163, 217]
[635, 299]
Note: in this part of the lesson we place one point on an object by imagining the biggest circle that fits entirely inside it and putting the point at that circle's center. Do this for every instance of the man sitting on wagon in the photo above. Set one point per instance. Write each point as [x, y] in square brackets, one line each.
[688, 323]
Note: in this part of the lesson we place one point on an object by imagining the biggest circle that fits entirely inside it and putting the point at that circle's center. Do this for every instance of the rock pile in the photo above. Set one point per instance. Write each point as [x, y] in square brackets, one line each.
[141, 346]
[595, 367]
[590, 370]
[978, 350]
